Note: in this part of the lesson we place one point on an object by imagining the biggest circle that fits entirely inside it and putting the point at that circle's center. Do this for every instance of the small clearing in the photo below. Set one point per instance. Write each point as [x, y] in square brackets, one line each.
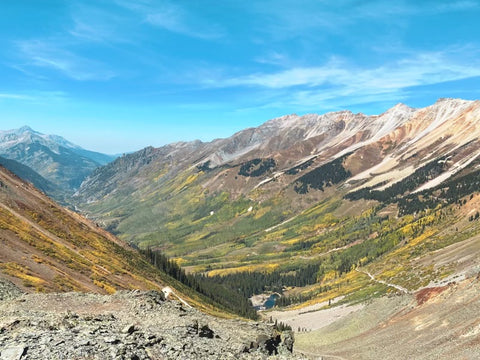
[312, 317]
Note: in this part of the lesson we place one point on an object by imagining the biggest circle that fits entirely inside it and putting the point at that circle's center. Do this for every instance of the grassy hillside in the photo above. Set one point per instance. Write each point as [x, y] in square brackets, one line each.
[46, 248]
[27, 174]
[216, 234]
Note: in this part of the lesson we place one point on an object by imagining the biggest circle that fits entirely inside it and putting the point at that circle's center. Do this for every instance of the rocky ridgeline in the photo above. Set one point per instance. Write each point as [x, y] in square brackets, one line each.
[127, 325]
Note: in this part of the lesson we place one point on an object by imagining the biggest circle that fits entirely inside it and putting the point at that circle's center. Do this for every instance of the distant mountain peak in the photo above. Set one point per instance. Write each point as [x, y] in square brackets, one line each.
[25, 128]
[401, 105]
[51, 156]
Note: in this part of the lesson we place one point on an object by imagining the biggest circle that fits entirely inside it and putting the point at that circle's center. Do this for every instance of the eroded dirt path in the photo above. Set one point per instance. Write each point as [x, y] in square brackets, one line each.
[398, 287]
[314, 356]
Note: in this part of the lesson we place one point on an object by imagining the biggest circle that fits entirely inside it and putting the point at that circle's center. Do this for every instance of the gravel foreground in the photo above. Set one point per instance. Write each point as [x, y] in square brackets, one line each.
[126, 325]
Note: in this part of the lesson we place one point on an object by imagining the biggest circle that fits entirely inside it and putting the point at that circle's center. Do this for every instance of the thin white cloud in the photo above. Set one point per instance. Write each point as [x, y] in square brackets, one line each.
[273, 58]
[48, 54]
[316, 19]
[300, 76]
[35, 97]
[340, 81]
[172, 17]
[423, 69]
[456, 6]
[14, 96]
[86, 30]
[96, 24]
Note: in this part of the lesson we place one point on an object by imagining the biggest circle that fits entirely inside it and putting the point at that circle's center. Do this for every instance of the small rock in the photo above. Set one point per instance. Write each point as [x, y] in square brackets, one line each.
[193, 327]
[111, 340]
[205, 331]
[13, 352]
[84, 342]
[129, 329]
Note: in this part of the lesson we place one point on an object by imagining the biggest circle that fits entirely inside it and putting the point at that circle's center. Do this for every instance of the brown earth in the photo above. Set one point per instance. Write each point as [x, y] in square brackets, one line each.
[436, 323]
[46, 248]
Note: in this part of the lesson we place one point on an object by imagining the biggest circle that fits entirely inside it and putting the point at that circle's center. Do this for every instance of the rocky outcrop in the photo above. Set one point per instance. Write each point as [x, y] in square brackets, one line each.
[8, 290]
[127, 325]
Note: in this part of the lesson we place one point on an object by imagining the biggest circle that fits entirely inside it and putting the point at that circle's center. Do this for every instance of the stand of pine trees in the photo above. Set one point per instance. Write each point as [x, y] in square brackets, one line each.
[223, 296]
[326, 175]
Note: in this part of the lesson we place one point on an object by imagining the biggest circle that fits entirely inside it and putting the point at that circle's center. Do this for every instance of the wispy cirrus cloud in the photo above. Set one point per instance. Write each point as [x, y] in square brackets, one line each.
[93, 31]
[448, 6]
[173, 17]
[35, 97]
[11, 96]
[340, 80]
[422, 69]
[50, 55]
[94, 23]
[316, 19]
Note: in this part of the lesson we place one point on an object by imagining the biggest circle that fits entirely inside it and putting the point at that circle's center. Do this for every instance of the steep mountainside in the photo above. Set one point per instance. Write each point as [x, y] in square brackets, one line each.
[315, 196]
[48, 248]
[27, 174]
[435, 323]
[62, 163]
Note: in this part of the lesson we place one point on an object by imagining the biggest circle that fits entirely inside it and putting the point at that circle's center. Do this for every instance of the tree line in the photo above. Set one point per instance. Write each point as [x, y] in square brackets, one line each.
[224, 297]
[256, 167]
[326, 175]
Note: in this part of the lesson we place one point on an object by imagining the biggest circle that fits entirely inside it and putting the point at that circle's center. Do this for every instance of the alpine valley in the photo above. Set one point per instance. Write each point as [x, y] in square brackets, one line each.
[366, 227]
[70, 290]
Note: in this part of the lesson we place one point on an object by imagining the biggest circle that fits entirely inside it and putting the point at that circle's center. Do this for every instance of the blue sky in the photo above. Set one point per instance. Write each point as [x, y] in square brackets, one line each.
[118, 75]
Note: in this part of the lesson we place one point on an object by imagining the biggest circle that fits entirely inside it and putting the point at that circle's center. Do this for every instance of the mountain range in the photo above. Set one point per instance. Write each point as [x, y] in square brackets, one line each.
[323, 210]
[185, 197]
[62, 164]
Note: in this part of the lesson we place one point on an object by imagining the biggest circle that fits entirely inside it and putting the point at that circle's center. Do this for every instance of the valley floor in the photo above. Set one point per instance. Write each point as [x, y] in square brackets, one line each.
[312, 317]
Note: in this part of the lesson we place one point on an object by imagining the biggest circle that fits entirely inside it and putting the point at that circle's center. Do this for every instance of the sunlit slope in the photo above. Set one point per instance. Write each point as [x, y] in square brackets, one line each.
[440, 322]
[46, 248]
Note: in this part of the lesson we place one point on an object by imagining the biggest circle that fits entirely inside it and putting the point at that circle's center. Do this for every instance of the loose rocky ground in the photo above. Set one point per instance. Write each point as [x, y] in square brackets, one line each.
[126, 325]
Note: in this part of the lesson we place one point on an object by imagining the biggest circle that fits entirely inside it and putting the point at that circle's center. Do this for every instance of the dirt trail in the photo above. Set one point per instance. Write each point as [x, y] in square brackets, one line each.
[398, 287]
[314, 356]
[332, 250]
[282, 223]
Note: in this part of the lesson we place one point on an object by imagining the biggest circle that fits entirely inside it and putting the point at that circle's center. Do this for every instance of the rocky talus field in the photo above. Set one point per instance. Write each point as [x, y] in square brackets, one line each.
[126, 325]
